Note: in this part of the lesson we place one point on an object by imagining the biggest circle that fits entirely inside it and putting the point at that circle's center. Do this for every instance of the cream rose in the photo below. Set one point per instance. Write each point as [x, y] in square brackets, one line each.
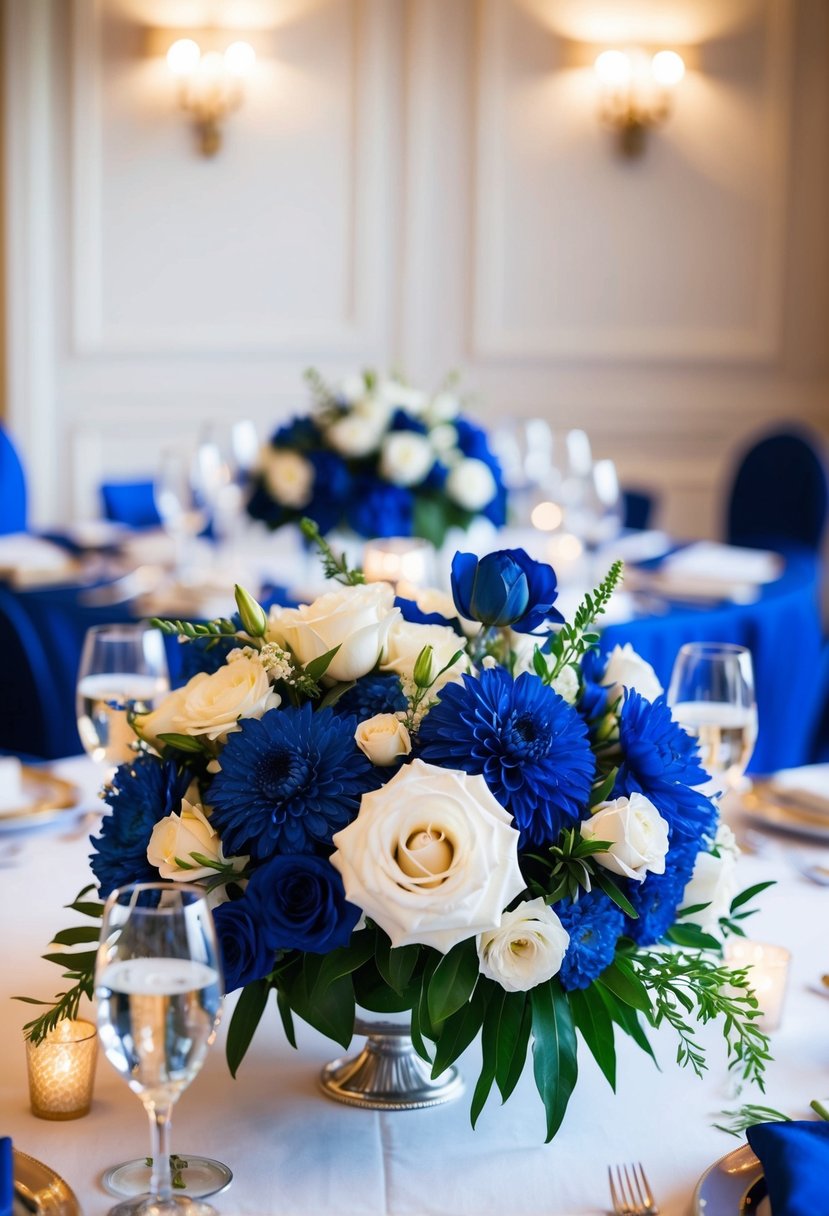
[527, 949]
[211, 705]
[406, 458]
[177, 837]
[471, 484]
[626, 669]
[384, 739]
[637, 833]
[432, 857]
[357, 619]
[357, 433]
[289, 477]
[406, 641]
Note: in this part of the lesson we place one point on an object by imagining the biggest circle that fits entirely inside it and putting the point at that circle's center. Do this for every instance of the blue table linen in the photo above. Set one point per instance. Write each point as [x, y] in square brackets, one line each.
[795, 1160]
[6, 1176]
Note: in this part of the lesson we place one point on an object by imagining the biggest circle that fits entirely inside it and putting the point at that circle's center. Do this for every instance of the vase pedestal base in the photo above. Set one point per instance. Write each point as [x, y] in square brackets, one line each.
[388, 1074]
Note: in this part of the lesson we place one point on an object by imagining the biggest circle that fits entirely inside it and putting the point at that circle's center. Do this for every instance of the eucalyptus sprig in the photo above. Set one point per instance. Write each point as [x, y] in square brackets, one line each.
[334, 567]
[575, 639]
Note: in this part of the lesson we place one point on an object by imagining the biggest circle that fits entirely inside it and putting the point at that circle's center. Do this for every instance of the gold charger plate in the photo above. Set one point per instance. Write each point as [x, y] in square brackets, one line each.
[792, 811]
[38, 1189]
[45, 797]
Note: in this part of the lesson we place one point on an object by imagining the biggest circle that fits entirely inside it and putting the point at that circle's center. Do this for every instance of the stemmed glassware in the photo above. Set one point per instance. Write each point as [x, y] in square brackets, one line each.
[711, 695]
[159, 990]
[123, 671]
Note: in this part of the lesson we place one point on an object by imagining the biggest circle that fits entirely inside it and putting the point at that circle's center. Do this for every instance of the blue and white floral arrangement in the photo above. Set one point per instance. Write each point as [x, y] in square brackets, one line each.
[382, 459]
[455, 807]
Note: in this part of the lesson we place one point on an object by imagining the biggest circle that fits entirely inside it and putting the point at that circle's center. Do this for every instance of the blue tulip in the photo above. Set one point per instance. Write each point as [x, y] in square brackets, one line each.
[505, 588]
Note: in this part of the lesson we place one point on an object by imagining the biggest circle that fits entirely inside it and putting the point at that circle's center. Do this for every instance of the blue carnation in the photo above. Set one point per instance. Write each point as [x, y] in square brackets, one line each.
[140, 794]
[505, 588]
[378, 508]
[245, 954]
[288, 781]
[299, 903]
[657, 899]
[660, 760]
[530, 746]
[595, 925]
[381, 693]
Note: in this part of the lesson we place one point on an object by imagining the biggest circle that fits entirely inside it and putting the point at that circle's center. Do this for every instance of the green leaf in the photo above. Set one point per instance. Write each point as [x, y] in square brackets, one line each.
[626, 1018]
[317, 668]
[87, 908]
[555, 1063]
[284, 1007]
[245, 1019]
[328, 1007]
[458, 1031]
[182, 743]
[749, 893]
[693, 937]
[593, 1021]
[453, 981]
[421, 1023]
[621, 979]
[402, 962]
[610, 888]
[333, 695]
[489, 1054]
[74, 937]
[513, 1040]
[81, 963]
[601, 792]
[344, 960]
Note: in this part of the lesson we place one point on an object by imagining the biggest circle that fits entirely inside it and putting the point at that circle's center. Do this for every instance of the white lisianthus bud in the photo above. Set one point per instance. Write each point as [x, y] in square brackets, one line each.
[471, 484]
[637, 833]
[626, 669]
[384, 739]
[289, 477]
[527, 949]
[406, 458]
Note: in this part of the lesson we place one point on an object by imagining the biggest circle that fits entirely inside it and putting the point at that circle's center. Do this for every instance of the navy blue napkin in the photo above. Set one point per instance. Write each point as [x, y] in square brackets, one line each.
[6, 1176]
[795, 1160]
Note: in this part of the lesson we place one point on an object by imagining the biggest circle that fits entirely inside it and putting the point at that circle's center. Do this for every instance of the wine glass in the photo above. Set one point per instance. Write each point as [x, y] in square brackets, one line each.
[123, 671]
[712, 696]
[181, 500]
[159, 990]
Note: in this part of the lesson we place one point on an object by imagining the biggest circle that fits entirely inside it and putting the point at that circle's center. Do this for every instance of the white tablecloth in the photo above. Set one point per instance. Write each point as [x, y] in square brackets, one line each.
[295, 1153]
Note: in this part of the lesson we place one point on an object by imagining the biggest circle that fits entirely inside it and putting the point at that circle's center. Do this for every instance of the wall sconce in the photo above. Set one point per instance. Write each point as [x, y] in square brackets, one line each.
[637, 92]
[210, 84]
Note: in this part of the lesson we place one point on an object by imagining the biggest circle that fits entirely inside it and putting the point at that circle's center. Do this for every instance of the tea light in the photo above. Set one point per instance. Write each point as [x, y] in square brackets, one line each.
[401, 559]
[62, 1070]
[768, 970]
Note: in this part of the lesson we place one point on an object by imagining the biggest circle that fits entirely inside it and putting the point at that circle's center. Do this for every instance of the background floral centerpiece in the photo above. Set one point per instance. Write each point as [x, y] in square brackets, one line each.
[470, 815]
[381, 458]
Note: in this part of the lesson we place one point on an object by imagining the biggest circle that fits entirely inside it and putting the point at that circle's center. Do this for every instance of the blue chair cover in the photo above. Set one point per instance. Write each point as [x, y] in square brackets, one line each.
[12, 488]
[780, 494]
[637, 506]
[131, 503]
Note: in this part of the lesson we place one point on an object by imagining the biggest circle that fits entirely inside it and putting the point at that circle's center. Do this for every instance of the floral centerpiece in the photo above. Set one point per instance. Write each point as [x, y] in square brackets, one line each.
[454, 807]
[381, 458]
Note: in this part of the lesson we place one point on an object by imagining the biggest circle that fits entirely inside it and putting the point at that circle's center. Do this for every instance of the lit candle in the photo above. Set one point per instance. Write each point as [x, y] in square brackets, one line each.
[768, 969]
[62, 1070]
[401, 559]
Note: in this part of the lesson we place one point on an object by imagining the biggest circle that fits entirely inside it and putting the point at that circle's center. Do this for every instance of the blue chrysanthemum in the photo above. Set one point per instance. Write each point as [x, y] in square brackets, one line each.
[373, 694]
[528, 743]
[140, 794]
[288, 781]
[595, 925]
[380, 509]
[660, 761]
[657, 899]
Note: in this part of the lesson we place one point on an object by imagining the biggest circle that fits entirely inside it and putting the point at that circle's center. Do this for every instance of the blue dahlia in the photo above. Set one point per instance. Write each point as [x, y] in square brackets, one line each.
[140, 794]
[660, 760]
[530, 746]
[657, 899]
[595, 925]
[288, 781]
[380, 509]
[381, 693]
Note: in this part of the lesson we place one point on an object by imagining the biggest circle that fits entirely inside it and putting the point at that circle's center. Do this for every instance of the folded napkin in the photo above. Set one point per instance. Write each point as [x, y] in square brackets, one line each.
[795, 1160]
[728, 563]
[6, 1176]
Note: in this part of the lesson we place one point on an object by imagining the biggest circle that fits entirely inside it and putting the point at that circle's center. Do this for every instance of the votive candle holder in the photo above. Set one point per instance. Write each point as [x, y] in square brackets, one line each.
[62, 1070]
[768, 972]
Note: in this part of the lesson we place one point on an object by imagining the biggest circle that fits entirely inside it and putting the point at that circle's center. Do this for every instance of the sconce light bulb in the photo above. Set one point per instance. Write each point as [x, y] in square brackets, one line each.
[183, 57]
[667, 68]
[614, 69]
[240, 58]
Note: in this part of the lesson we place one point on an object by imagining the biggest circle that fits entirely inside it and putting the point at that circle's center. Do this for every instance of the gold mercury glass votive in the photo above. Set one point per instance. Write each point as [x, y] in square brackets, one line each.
[62, 1070]
[768, 970]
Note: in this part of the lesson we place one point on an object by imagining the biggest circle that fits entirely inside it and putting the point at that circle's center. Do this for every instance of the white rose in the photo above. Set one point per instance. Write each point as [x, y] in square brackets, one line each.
[383, 738]
[626, 669]
[357, 619]
[177, 837]
[526, 950]
[443, 438]
[355, 434]
[289, 477]
[406, 458]
[401, 396]
[405, 642]
[637, 833]
[443, 407]
[211, 705]
[432, 857]
[713, 883]
[471, 484]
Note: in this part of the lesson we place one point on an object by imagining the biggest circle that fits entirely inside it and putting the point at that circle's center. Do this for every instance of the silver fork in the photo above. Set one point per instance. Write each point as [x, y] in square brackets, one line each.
[631, 1192]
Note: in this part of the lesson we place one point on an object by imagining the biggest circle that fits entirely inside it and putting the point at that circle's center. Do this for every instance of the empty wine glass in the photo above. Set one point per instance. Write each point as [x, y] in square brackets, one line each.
[159, 990]
[181, 500]
[123, 671]
[712, 696]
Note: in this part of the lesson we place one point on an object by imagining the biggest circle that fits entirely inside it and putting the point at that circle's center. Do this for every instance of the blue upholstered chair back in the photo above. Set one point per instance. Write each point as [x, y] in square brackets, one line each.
[131, 503]
[637, 507]
[12, 488]
[780, 493]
